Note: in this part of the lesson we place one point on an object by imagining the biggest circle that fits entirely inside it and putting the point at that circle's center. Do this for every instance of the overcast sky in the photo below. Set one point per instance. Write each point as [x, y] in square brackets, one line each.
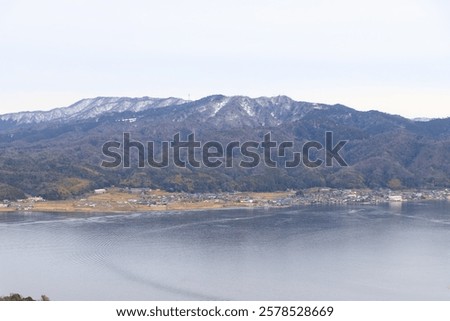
[392, 56]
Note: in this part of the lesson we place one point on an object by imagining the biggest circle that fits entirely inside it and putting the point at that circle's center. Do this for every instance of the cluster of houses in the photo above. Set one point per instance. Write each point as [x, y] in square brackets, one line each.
[338, 196]
[292, 198]
[22, 204]
[312, 196]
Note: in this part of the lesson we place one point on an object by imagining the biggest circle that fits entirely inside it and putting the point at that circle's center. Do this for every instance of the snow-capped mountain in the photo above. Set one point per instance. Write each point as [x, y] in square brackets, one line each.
[91, 108]
[216, 109]
[215, 112]
[243, 111]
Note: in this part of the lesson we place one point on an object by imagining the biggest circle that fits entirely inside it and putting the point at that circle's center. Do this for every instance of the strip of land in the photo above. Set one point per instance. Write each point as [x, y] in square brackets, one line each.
[142, 200]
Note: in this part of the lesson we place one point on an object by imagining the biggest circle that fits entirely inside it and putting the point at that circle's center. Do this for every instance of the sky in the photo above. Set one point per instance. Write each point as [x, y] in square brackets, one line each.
[392, 56]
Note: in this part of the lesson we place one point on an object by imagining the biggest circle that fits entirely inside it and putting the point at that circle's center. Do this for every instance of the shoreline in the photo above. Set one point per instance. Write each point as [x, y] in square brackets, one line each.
[122, 201]
[119, 201]
[130, 211]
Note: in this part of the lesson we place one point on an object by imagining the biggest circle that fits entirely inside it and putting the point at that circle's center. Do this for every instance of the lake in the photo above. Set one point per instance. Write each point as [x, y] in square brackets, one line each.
[397, 251]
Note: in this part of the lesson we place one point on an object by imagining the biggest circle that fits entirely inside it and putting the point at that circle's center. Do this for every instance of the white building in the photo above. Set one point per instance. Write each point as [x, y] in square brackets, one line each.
[395, 198]
[36, 199]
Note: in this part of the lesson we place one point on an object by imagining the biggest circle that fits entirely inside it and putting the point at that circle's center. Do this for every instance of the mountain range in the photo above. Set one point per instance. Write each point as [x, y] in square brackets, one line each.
[57, 154]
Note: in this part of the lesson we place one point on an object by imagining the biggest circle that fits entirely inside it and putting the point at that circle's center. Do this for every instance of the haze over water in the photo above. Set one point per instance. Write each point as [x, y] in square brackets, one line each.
[388, 252]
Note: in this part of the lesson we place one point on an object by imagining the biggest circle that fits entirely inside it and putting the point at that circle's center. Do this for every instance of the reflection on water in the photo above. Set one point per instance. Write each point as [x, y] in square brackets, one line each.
[389, 252]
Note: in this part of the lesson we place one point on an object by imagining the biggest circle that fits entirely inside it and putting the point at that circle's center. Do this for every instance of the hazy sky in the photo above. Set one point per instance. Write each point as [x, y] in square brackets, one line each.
[392, 56]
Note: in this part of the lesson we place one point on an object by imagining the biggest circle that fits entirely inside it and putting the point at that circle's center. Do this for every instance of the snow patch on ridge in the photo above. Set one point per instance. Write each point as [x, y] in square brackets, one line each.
[248, 109]
[219, 105]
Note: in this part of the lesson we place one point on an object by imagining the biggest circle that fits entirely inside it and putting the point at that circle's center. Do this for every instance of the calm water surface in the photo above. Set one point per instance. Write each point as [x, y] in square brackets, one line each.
[388, 252]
